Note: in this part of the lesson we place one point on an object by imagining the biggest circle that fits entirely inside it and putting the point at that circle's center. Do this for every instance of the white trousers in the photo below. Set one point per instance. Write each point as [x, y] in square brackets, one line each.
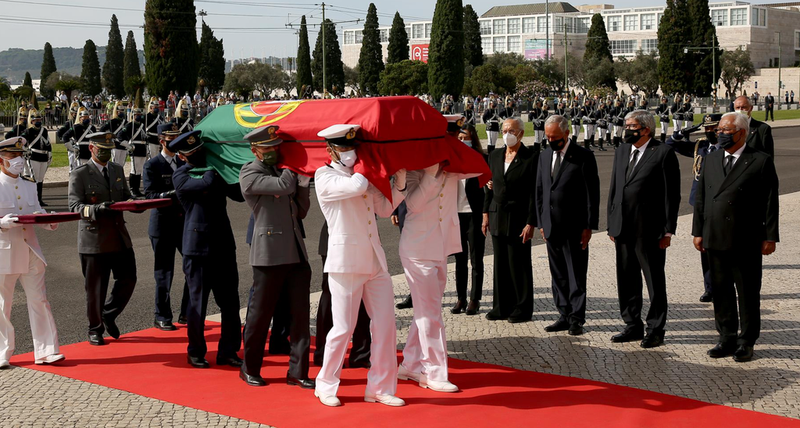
[119, 156]
[687, 123]
[601, 132]
[618, 130]
[677, 124]
[538, 136]
[492, 135]
[153, 150]
[588, 131]
[43, 326]
[426, 348]
[347, 292]
[137, 164]
[576, 130]
[72, 161]
[664, 126]
[38, 169]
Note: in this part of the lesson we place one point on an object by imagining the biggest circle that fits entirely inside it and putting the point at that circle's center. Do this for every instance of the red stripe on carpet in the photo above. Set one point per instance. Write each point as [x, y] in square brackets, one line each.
[152, 363]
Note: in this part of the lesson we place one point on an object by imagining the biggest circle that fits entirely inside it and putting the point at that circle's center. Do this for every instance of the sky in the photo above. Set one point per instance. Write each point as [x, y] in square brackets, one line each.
[249, 28]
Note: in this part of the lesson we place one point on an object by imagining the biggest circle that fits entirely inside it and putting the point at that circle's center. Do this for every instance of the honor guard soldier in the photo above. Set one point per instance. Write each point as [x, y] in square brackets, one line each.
[104, 244]
[152, 122]
[469, 113]
[182, 119]
[115, 125]
[662, 111]
[279, 201]
[209, 250]
[356, 267]
[575, 115]
[21, 259]
[19, 129]
[134, 135]
[677, 113]
[38, 151]
[166, 228]
[589, 123]
[491, 117]
[602, 125]
[688, 111]
[76, 139]
[537, 115]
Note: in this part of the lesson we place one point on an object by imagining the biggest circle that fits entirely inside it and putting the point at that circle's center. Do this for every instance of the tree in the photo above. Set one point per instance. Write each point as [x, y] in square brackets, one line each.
[598, 51]
[736, 69]
[303, 59]
[5, 89]
[404, 78]
[398, 41]
[171, 52]
[212, 60]
[596, 72]
[473, 50]
[370, 60]
[114, 66]
[674, 75]
[131, 72]
[640, 73]
[482, 80]
[333, 60]
[550, 73]
[505, 59]
[703, 34]
[60, 81]
[351, 79]
[446, 50]
[90, 70]
[48, 68]
[246, 78]
[27, 81]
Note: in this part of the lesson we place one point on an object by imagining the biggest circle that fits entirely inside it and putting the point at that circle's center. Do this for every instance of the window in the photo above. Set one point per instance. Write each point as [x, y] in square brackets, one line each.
[513, 26]
[486, 28]
[499, 44]
[614, 23]
[648, 21]
[418, 30]
[359, 36]
[408, 31]
[528, 25]
[349, 38]
[623, 47]
[428, 27]
[499, 26]
[384, 35]
[650, 45]
[486, 44]
[658, 19]
[568, 22]
[582, 25]
[541, 24]
[630, 22]
[759, 17]
[797, 39]
[739, 16]
[719, 17]
[514, 44]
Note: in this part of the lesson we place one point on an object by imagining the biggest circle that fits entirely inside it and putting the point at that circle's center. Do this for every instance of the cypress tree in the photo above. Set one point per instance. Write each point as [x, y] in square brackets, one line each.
[398, 41]
[48, 68]
[370, 60]
[333, 60]
[212, 60]
[473, 50]
[598, 49]
[446, 53]
[132, 72]
[113, 75]
[28, 81]
[303, 59]
[672, 68]
[170, 51]
[90, 70]
[703, 35]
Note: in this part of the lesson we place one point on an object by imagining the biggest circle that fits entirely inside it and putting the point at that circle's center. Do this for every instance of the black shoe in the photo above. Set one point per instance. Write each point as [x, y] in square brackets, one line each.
[359, 365]
[721, 351]
[197, 362]
[516, 320]
[652, 340]
[743, 354]
[575, 329]
[182, 319]
[302, 383]
[560, 325]
[42, 204]
[111, 328]
[706, 297]
[473, 306]
[96, 339]
[405, 304]
[233, 361]
[459, 307]
[628, 336]
[252, 380]
[165, 325]
[491, 316]
[603, 149]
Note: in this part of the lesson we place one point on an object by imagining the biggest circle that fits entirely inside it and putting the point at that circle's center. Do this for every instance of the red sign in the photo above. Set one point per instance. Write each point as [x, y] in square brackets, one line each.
[419, 53]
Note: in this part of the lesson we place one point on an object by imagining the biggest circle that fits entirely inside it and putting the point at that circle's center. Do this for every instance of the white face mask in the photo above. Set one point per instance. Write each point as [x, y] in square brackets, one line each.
[743, 112]
[510, 139]
[15, 165]
[467, 142]
[348, 159]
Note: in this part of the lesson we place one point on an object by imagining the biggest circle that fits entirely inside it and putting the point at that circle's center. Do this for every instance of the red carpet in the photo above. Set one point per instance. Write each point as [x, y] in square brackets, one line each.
[152, 363]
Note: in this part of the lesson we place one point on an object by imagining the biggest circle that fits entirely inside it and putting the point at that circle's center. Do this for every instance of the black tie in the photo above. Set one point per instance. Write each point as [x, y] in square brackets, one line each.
[557, 165]
[728, 164]
[105, 175]
[632, 164]
[712, 148]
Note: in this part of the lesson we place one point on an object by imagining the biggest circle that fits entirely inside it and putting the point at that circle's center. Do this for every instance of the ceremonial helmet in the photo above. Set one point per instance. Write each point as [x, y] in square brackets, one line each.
[663, 98]
[631, 102]
[82, 112]
[120, 106]
[182, 110]
[153, 103]
[22, 113]
[677, 98]
[687, 98]
[33, 114]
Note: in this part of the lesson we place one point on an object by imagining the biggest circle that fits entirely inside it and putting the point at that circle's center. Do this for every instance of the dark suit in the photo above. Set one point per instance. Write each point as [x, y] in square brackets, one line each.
[760, 137]
[769, 105]
[209, 257]
[473, 243]
[734, 215]
[104, 244]
[511, 206]
[166, 233]
[566, 205]
[642, 208]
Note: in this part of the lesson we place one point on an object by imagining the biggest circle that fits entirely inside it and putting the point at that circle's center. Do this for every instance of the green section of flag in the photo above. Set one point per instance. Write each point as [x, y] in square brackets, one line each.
[223, 139]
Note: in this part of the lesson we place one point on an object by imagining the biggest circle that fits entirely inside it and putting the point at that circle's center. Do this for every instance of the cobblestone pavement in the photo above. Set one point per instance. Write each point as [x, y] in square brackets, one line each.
[770, 383]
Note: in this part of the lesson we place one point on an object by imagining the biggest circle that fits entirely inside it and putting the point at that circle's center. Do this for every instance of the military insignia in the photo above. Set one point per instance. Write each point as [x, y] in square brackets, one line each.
[273, 132]
[190, 140]
[18, 143]
[460, 122]
[256, 115]
[109, 137]
[175, 127]
[93, 199]
[351, 134]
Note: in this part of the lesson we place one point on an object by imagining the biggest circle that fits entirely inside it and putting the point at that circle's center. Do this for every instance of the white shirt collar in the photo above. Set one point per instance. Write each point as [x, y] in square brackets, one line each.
[640, 149]
[564, 149]
[737, 153]
[99, 167]
[167, 157]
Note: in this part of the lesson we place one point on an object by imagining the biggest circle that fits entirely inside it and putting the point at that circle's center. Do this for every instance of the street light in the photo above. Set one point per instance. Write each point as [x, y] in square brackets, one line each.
[713, 62]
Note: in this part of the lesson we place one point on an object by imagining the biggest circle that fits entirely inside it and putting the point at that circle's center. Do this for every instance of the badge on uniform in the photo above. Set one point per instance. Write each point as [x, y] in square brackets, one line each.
[93, 199]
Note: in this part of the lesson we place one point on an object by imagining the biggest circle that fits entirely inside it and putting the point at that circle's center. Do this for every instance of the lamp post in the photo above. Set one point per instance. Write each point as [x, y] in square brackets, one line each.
[778, 93]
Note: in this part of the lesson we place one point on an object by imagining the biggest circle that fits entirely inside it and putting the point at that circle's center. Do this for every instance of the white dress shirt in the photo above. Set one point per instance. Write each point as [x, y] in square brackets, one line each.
[561, 152]
[170, 160]
[641, 152]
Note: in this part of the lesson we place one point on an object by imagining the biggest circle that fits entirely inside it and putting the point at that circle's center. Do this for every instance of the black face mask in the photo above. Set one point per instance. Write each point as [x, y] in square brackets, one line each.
[726, 141]
[197, 159]
[711, 136]
[631, 136]
[557, 145]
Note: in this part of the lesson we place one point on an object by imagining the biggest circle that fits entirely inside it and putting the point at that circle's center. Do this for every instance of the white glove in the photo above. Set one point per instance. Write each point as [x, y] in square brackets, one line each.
[303, 181]
[432, 170]
[9, 221]
[400, 179]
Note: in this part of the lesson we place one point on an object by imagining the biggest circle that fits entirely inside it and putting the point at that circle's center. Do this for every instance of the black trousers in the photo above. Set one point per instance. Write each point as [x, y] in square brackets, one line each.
[634, 258]
[706, 273]
[513, 278]
[164, 248]
[770, 113]
[569, 265]
[736, 279]
[268, 284]
[362, 340]
[473, 244]
[97, 269]
[218, 273]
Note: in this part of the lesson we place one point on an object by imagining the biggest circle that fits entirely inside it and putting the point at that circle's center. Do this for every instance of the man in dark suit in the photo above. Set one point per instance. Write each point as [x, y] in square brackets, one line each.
[104, 244]
[567, 208]
[166, 227]
[642, 216]
[760, 136]
[769, 105]
[509, 214]
[209, 250]
[736, 223]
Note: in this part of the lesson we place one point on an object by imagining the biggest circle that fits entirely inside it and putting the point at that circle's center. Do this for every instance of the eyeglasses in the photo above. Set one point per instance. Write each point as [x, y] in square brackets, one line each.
[633, 127]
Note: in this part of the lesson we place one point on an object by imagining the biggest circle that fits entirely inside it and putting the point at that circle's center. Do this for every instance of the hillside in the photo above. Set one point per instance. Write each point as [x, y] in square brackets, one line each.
[15, 62]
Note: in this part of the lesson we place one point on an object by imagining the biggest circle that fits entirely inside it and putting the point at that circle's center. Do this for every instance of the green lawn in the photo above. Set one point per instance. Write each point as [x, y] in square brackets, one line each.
[59, 156]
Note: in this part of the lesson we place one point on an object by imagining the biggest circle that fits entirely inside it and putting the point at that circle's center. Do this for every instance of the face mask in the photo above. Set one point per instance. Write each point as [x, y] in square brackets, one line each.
[557, 145]
[86, 122]
[711, 136]
[743, 112]
[121, 116]
[37, 124]
[348, 159]
[269, 158]
[510, 140]
[137, 118]
[467, 142]
[631, 136]
[103, 155]
[197, 159]
[155, 111]
[726, 141]
[15, 165]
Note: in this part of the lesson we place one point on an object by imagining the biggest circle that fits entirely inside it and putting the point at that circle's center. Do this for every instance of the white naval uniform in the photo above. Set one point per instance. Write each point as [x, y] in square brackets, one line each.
[21, 259]
[431, 233]
[357, 269]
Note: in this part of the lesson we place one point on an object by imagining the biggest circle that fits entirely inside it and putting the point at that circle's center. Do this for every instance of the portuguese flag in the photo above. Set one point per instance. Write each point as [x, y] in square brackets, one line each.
[396, 133]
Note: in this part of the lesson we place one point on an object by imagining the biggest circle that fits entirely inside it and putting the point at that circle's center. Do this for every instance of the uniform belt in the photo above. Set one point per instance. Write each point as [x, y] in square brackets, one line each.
[42, 152]
[138, 142]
